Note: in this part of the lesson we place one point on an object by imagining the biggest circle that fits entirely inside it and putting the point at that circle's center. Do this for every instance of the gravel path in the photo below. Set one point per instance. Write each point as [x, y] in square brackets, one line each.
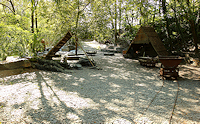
[119, 94]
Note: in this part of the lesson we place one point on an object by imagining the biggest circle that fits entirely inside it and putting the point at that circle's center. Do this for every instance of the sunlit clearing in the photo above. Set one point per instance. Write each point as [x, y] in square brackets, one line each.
[73, 100]
[114, 85]
[28, 76]
[127, 101]
[149, 77]
[141, 84]
[116, 108]
[81, 79]
[16, 115]
[103, 101]
[198, 90]
[117, 120]
[35, 104]
[72, 116]
[16, 94]
[118, 76]
[75, 84]
[94, 44]
[190, 100]
[102, 77]
[143, 120]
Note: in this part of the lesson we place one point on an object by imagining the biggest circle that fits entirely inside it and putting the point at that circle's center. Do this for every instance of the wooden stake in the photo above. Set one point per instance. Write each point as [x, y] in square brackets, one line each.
[76, 45]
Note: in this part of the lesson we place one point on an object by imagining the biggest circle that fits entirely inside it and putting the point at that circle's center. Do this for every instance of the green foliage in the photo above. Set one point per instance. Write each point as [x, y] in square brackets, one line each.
[36, 44]
[14, 41]
[94, 19]
[175, 30]
[130, 32]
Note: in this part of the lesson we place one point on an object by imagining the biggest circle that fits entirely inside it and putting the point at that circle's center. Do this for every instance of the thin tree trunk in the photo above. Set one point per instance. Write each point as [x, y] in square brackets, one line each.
[195, 37]
[194, 33]
[13, 8]
[36, 22]
[76, 38]
[8, 8]
[32, 16]
[168, 32]
[115, 21]
[120, 14]
[140, 18]
[178, 23]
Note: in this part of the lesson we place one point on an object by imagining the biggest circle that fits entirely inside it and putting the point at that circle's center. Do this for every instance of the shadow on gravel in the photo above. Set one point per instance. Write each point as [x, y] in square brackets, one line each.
[117, 94]
[188, 103]
[46, 112]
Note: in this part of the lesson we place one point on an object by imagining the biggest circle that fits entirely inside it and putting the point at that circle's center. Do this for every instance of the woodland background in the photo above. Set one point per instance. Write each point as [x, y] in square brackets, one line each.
[24, 23]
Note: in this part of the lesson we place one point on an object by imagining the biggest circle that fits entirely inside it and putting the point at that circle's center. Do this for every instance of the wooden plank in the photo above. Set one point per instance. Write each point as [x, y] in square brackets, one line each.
[141, 37]
[4, 73]
[15, 65]
[152, 34]
[158, 46]
[147, 29]
[56, 48]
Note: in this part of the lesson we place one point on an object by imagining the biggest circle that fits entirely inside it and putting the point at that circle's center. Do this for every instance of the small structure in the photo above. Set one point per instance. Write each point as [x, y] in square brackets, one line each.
[170, 64]
[146, 43]
[56, 48]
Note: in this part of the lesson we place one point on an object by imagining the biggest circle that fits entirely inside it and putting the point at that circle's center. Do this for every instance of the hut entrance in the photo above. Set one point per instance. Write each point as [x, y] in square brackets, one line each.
[146, 43]
[138, 50]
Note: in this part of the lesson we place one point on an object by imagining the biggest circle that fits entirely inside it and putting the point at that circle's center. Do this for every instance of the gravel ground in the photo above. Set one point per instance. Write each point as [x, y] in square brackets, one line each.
[119, 94]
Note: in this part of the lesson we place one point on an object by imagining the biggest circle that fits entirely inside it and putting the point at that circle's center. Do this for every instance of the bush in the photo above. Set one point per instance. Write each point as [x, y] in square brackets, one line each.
[16, 41]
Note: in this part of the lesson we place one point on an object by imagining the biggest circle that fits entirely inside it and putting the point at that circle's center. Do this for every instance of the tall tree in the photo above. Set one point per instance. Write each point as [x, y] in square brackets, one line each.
[168, 31]
[32, 14]
[193, 29]
[115, 22]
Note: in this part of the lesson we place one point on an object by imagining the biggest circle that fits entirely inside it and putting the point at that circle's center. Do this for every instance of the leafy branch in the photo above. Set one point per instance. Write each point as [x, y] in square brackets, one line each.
[13, 11]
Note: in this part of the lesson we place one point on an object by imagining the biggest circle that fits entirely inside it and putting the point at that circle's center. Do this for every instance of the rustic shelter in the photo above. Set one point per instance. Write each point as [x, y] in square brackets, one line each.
[146, 43]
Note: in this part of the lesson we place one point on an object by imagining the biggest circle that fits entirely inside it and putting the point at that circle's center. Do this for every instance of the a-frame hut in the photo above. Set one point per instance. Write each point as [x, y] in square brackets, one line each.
[146, 43]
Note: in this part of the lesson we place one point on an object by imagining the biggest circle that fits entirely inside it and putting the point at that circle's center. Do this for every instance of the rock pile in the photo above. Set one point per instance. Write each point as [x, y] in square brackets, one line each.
[86, 62]
[50, 65]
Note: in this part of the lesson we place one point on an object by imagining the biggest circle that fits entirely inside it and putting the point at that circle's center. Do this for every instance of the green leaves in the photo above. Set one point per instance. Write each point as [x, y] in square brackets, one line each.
[97, 19]
[14, 41]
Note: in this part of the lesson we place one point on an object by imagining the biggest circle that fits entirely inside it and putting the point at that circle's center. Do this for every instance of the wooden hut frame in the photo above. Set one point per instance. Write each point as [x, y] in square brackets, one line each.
[146, 42]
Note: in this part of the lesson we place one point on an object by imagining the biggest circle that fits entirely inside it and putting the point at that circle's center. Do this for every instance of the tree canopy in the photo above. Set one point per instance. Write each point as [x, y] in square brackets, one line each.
[24, 23]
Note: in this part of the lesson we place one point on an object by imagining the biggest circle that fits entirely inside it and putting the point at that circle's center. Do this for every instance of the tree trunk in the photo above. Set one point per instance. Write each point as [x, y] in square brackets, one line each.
[13, 8]
[77, 18]
[32, 16]
[115, 22]
[178, 25]
[195, 37]
[168, 32]
[36, 24]
[194, 32]
[120, 14]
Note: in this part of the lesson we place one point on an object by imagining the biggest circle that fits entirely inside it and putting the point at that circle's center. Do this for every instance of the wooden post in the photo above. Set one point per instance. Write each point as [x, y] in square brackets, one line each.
[76, 45]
